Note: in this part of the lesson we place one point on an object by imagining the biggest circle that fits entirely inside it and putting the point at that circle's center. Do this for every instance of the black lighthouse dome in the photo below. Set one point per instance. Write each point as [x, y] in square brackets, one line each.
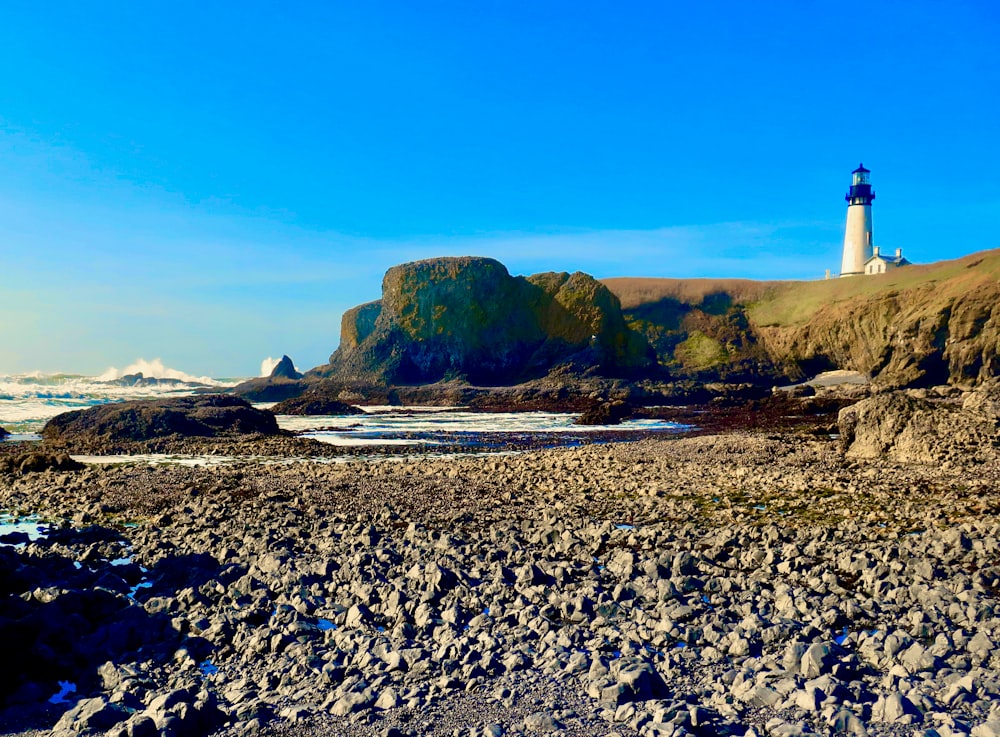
[861, 188]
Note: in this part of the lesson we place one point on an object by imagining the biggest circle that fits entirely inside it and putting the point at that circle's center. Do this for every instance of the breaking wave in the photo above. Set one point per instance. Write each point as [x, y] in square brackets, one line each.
[267, 365]
[29, 400]
[156, 370]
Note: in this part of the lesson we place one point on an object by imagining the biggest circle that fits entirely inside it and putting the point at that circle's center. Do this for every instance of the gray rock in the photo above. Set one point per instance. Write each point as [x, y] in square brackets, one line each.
[844, 721]
[792, 659]
[818, 659]
[541, 722]
[639, 679]
[296, 713]
[989, 728]
[94, 714]
[895, 708]
[141, 725]
[780, 728]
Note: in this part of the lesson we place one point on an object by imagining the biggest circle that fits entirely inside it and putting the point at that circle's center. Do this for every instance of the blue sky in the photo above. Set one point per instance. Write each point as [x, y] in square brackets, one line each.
[213, 185]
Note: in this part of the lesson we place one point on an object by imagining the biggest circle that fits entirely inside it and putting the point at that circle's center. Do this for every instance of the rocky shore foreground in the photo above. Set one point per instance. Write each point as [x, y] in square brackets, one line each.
[743, 584]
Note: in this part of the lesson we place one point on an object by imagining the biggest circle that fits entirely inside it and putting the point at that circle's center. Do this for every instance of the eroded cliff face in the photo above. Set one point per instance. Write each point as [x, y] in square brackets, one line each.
[934, 331]
[468, 318]
[918, 326]
[358, 323]
[709, 339]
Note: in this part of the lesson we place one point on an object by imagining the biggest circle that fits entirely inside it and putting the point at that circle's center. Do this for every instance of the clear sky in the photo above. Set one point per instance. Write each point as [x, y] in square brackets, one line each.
[213, 183]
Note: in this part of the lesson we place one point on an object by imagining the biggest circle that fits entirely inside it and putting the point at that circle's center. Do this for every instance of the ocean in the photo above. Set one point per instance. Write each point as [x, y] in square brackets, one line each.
[28, 401]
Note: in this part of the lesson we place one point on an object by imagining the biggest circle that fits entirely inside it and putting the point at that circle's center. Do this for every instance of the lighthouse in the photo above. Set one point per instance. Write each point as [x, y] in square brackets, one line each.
[858, 233]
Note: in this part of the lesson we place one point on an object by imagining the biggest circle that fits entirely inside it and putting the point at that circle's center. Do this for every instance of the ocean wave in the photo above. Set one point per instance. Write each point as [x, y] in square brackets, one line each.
[155, 369]
[28, 400]
[268, 364]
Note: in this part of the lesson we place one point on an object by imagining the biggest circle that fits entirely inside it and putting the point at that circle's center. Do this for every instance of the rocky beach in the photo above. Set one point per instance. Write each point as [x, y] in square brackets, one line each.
[775, 581]
[502, 369]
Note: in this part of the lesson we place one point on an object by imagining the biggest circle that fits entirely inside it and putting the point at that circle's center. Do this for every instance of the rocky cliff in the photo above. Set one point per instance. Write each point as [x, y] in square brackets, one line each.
[455, 322]
[469, 319]
[918, 326]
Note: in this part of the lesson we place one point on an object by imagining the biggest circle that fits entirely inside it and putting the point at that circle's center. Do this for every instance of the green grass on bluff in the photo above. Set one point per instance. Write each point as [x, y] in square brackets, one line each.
[787, 303]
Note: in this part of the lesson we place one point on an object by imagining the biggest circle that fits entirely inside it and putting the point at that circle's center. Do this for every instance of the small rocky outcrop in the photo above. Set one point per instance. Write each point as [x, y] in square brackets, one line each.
[269, 389]
[139, 379]
[605, 413]
[32, 462]
[311, 404]
[282, 383]
[210, 416]
[3, 433]
[285, 369]
[903, 427]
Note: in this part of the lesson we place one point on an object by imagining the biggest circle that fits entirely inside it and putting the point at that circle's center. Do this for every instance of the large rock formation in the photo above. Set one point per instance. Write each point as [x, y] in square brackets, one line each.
[457, 322]
[468, 318]
[210, 415]
[313, 404]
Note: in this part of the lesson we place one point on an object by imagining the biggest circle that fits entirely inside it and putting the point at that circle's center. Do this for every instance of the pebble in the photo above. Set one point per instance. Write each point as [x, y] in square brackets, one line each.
[406, 599]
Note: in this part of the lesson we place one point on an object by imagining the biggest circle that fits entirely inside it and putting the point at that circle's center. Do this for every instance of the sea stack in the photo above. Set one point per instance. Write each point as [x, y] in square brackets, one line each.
[858, 233]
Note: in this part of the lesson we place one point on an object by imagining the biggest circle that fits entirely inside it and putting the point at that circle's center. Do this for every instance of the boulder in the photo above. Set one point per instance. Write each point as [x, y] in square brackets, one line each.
[3, 433]
[605, 413]
[315, 404]
[210, 415]
[33, 462]
[269, 389]
[909, 429]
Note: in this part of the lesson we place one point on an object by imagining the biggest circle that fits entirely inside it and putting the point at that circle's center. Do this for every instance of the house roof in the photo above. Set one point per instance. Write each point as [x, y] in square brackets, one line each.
[898, 260]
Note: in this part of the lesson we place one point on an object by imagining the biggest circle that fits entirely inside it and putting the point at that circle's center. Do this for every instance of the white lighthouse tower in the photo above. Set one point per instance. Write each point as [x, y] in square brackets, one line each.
[858, 234]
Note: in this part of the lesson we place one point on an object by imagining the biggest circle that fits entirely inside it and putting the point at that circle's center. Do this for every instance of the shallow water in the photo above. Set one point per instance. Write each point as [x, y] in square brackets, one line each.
[32, 526]
[448, 426]
[28, 401]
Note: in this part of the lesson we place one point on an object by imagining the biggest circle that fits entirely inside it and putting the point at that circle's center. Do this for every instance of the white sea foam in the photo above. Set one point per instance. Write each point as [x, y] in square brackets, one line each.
[29, 400]
[386, 424]
[155, 370]
[267, 365]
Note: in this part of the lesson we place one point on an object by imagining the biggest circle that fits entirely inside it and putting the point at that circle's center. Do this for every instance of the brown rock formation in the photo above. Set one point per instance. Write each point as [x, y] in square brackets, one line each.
[468, 318]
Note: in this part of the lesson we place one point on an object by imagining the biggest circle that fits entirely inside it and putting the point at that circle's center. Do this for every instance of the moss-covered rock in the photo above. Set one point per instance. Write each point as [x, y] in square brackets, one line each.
[468, 318]
[358, 323]
[700, 351]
